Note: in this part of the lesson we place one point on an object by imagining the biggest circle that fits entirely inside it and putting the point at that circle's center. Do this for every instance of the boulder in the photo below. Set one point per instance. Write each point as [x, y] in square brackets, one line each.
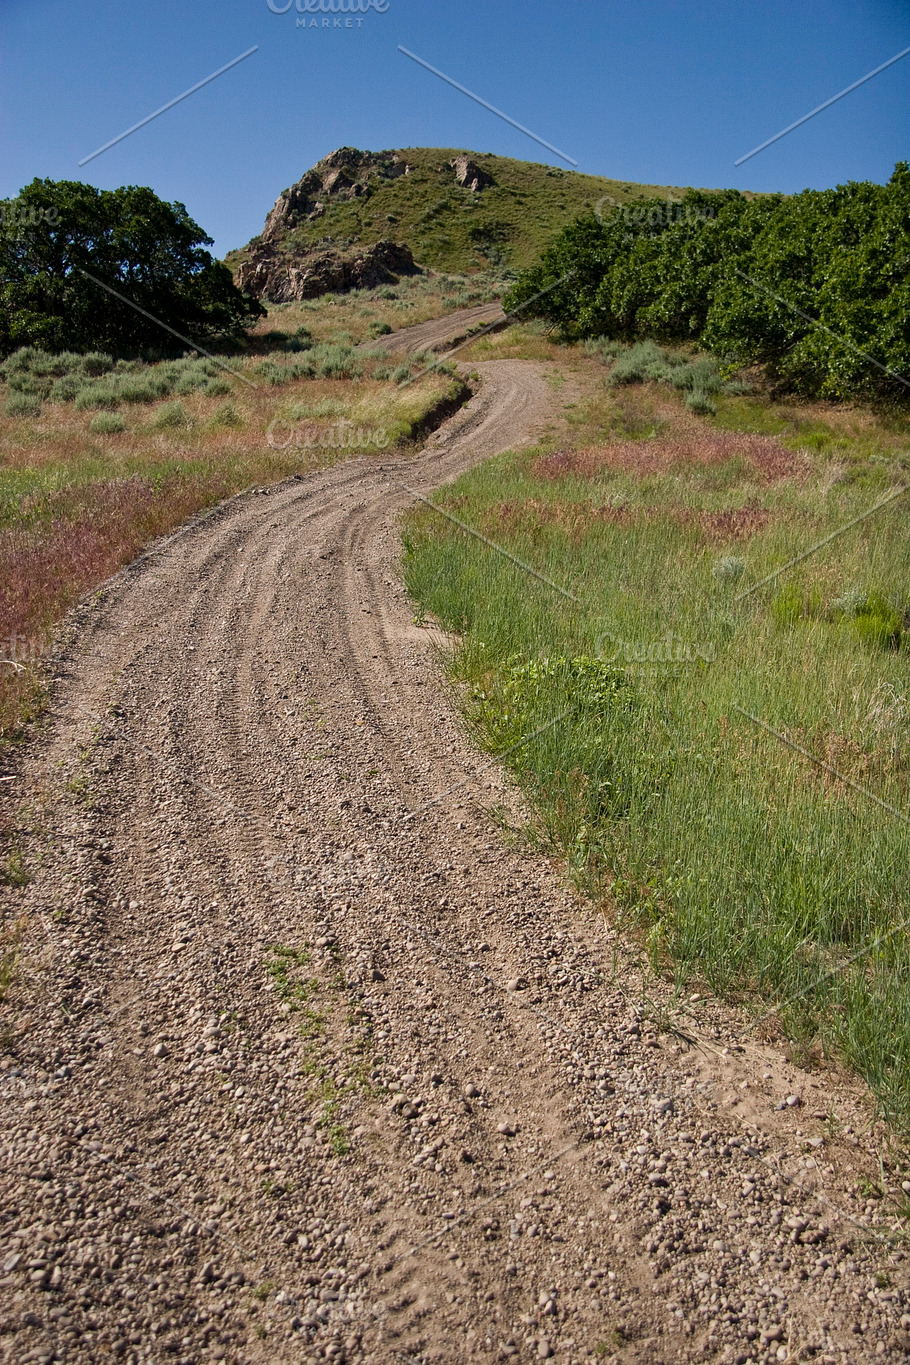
[469, 174]
[307, 274]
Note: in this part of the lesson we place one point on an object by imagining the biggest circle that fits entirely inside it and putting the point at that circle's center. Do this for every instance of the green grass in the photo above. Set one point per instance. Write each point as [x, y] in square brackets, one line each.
[450, 228]
[625, 715]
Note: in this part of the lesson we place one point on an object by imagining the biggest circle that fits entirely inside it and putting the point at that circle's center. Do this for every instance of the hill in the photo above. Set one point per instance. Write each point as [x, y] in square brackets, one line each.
[453, 210]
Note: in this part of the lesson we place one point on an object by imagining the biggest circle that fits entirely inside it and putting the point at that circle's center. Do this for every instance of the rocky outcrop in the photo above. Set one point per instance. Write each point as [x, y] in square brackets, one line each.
[344, 174]
[469, 174]
[306, 275]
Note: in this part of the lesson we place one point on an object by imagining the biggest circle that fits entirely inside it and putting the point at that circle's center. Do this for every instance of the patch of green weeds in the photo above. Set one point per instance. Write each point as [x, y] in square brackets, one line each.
[13, 870]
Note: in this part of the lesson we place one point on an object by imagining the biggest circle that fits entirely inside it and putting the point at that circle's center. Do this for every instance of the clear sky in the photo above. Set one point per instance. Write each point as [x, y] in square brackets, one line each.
[669, 92]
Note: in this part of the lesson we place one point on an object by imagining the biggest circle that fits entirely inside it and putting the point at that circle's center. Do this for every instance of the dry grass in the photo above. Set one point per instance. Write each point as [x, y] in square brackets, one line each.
[532, 516]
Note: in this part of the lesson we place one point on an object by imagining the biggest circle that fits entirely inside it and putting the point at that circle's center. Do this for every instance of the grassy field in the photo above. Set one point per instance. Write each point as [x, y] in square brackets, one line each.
[453, 229]
[724, 759]
[98, 458]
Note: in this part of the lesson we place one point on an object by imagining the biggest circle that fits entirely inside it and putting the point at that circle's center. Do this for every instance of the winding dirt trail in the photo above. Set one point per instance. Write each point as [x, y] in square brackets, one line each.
[303, 1063]
[439, 333]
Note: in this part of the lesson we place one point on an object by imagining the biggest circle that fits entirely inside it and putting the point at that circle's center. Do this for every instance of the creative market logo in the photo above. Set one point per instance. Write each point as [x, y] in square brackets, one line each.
[336, 14]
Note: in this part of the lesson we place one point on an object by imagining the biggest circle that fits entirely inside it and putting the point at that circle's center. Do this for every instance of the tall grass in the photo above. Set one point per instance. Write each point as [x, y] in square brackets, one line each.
[748, 866]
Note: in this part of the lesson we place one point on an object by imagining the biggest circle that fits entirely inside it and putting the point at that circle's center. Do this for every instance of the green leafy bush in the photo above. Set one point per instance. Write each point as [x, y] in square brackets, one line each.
[811, 285]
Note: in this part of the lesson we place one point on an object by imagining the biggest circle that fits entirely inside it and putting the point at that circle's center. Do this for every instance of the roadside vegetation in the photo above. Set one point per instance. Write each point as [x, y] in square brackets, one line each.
[113, 431]
[634, 694]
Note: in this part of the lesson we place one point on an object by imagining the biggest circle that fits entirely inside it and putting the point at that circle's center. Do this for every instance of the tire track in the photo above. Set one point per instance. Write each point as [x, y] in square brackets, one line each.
[311, 1080]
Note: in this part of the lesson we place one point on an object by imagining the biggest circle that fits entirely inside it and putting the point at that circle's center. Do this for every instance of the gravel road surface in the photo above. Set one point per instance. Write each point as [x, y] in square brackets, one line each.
[304, 1062]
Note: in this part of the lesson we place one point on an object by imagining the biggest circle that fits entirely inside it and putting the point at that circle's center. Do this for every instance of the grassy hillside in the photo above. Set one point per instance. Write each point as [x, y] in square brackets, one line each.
[449, 227]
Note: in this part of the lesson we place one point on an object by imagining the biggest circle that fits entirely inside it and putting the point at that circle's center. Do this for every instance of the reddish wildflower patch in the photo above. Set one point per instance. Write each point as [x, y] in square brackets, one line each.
[766, 459]
[736, 523]
[70, 541]
[577, 519]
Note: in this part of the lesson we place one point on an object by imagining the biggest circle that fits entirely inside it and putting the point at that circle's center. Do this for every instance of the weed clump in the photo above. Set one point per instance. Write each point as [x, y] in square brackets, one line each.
[226, 415]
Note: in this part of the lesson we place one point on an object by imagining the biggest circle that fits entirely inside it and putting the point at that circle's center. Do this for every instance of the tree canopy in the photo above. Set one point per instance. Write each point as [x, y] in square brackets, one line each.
[815, 286]
[62, 242]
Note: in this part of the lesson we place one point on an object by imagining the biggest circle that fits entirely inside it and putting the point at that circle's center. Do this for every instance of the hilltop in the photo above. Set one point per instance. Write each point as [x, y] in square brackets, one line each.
[358, 218]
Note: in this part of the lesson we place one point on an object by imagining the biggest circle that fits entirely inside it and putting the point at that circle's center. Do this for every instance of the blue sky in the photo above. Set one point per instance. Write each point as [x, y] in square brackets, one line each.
[661, 91]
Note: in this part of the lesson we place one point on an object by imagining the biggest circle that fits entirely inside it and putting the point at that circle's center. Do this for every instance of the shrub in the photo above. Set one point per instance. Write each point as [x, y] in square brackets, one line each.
[29, 362]
[19, 360]
[603, 347]
[24, 382]
[104, 395]
[68, 388]
[272, 372]
[142, 389]
[380, 329]
[107, 424]
[810, 285]
[699, 401]
[95, 363]
[301, 342]
[701, 374]
[730, 569]
[215, 388]
[643, 361]
[171, 415]
[226, 415]
[335, 360]
[23, 405]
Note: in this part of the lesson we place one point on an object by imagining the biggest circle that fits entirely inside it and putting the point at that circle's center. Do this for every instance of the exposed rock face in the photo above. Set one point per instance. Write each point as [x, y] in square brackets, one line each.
[469, 174]
[345, 174]
[279, 279]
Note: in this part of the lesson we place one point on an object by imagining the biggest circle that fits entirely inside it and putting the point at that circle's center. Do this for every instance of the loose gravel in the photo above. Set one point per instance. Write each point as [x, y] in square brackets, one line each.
[302, 1062]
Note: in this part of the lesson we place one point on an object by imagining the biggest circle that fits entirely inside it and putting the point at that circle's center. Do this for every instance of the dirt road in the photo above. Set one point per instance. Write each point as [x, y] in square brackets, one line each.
[440, 333]
[303, 1063]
